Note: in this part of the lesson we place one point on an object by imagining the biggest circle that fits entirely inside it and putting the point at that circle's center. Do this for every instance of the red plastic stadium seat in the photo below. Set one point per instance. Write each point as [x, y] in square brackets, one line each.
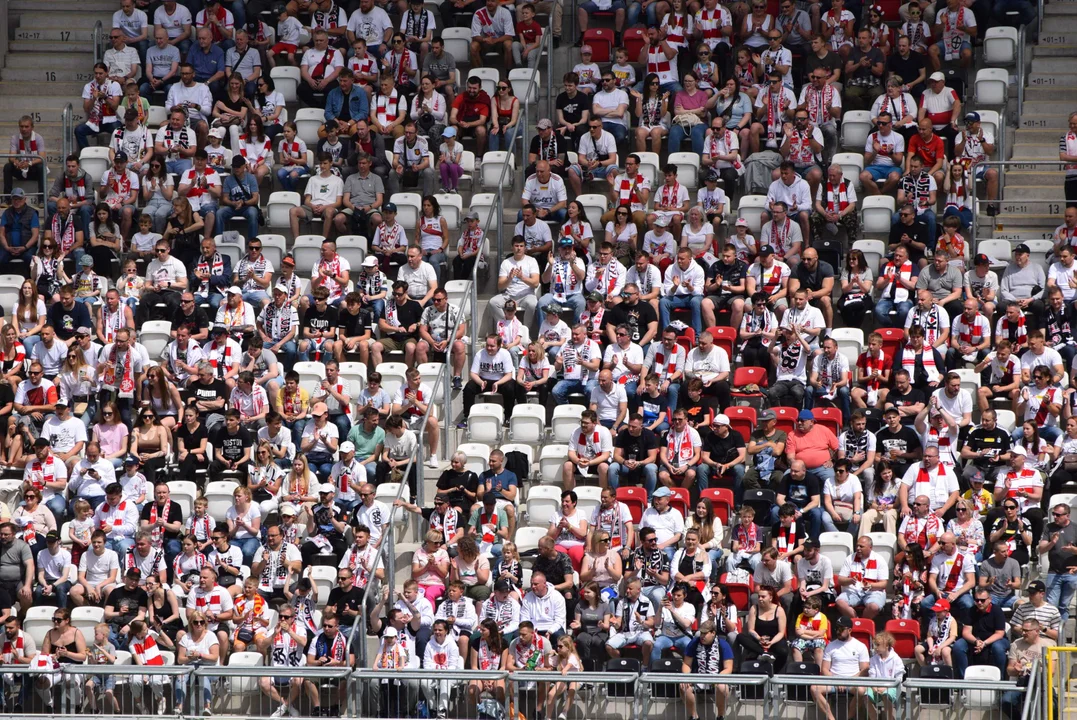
[636, 500]
[601, 42]
[723, 502]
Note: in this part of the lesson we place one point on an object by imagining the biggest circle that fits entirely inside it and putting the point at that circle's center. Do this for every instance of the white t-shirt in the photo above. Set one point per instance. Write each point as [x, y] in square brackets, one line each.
[591, 444]
[665, 525]
[173, 24]
[324, 191]
[492, 368]
[418, 279]
[609, 403]
[328, 432]
[517, 288]
[958, 405]
[63, 434]
[205, 645]
[544, 194]
[97, 567]
[845, 657]
[610, 101]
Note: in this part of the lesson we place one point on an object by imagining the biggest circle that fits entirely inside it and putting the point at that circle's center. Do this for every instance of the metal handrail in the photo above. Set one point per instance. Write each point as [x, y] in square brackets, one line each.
[67, 127]
[387, 549]
[98, 41]
[1035, 688]
[1022, 37]
[1013, 165]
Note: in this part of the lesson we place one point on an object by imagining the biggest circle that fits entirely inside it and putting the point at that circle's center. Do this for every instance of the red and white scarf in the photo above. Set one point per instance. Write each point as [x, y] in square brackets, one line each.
[680, 445]
[787, 537]
[119, 373]
[837, 199]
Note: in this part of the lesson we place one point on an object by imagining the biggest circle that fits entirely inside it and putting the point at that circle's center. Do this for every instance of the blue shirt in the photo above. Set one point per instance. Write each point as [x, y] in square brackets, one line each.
[234, 188]
[704, 662]
[206, 65]
[502, 481]
[14, 224]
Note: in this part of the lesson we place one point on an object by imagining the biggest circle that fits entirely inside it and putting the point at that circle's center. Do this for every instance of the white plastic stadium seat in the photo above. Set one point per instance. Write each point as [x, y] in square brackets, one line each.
[38, 622]
[492, 162]
[219, 496]
[94, 160]
[998, 250]
[525, 84]
[650, 167]
[588, 498]
[551, 458]
[478, 456]
[527, 538]
[877, 212]
[836, 545]
[855, 128]
[307, 251]
[750, 208]
[452, 208]
[458, 44]
[992, 86]
[409, 208]
[483, 204]
[851, 165]
[1000, 46]
[154, 336]
[1006, 419]
[184, 493]
[850, 342]
[352, 248]
[528, 423]
[484, 422]
[278, 206]
[392, 376]
[286, 80]
[274, 248]
[543, 503]
[566, 418]
[594, 206]
[489, 77]
[307, 121]
[884, 544]
[687, 168]
[874, 251]
[156, 117]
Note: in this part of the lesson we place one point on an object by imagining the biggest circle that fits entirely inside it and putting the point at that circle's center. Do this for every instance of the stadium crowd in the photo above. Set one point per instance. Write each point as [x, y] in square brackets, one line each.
[773, 489]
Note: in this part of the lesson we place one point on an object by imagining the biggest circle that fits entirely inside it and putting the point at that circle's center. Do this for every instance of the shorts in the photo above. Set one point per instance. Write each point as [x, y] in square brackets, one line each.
[875, 695]
[803, 172]
[668, 214]
[779, 303]
[599, 172]
[619, 640]
[283, 48]
[803, 644]
[881, 172]
[941, 45]
[978, 171]
[391, 345]
[857, 598]
[592, 7]
[206, 209]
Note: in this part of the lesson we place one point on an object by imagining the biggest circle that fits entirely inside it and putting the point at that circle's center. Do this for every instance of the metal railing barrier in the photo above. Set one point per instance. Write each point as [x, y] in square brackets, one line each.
[440, 693]
[43, 192]
[856, 698]
[247, 691]
[77, 682]
[665, 695]
[67, 128]
[387, 549]
[576, 694]
[98, 39]
[992, 698]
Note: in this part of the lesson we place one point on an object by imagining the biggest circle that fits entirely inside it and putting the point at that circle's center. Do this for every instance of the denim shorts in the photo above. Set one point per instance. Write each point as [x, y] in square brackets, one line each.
[881, 172]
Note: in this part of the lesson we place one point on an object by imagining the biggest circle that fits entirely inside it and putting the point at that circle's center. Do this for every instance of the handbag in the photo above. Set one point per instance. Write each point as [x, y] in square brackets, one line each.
[687, 121]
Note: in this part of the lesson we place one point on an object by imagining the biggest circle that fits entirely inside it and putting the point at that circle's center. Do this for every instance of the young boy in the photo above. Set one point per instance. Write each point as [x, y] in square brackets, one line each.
[364, 66]
[588, 72]
[812, 632]
[529, 33]
[102, 652]
[872, 374]
[787, 536]
[746, 546]
[1000, 374]
[89, 286]
[144, 651]
[952, 242]
[220, 157]
[145, 240]
[200, 526]
[624, 74]
[288, 31]
[553, 333]
[654, 405]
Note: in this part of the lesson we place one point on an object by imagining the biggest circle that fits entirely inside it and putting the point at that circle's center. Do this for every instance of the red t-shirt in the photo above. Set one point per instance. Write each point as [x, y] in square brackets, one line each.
[931, 152]
[528, 32]
[469, 109]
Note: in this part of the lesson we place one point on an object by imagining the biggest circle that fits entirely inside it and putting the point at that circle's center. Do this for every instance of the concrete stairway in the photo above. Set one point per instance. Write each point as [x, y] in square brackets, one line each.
[1051, 94]
[47, 64]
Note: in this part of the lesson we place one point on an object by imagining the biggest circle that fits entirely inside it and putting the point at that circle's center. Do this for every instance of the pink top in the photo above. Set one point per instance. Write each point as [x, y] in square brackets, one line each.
[112, 438]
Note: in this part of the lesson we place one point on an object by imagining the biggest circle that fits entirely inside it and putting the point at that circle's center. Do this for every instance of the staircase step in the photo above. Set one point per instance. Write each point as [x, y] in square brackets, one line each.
[1051, 65]
[1033, 175]
[1029, 151]
[1057, 9]
[1018, 233]
[69, 89]
[62, 6]
[46, 61]
[1037, 136]
[1065, 47]
[1035, 218]
[1057, 92]
[54, 35]
[1042, 79]
[1045, 120]
[1017, 193]
[66, 20]
[1056, 28]
[48, 77]
[33, 46]
[1045, 108]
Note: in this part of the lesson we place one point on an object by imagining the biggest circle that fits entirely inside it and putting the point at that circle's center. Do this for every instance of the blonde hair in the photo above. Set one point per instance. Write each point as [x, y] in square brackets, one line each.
[884, 638]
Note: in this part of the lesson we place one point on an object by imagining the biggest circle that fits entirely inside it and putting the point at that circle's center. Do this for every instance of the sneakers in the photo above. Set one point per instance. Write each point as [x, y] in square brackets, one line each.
[767, 657]
[162, 705]
[292, 712]
[462, 425]
[457, 383]
[280, 712]
[432, 461]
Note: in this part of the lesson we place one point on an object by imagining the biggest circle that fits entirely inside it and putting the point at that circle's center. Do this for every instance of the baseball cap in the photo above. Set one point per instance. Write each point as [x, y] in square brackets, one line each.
[133, 573]
[287, 260]
[388, 207]
[347, 446]
[844, 622]
[982, 259]
[544, 124]
[326, 489]
[442, 497]
[941, 605]
[234, 290]
[389, 632]
[972, 117]
[741, 222]
[720, 419]
[370, 261]
[52, 536]
[288, 509]
[471, 216]
[280, 288]
[891, 411]
[594, 297]
[553, 309]
[18, 192]
[121, 156]
[1037, 586]
[83, 330]
[766, 249]
[937, 77]
[61, 401]
[86, 260]
[217, 132]
[811, 543]
[713, 176]
[279, 8]
[805, 415]
[976, 477]
[1022, 248]
[661, 492]
[449, 132]
[41, 442]
[662, 221]
[585, 49]
[502, 585]
[1019, 450]
[131, 460]
[218, 328]
[767, 415]
[319, 409]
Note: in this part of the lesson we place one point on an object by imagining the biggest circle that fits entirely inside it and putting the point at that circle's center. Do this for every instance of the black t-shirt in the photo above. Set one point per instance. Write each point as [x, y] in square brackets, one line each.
[725, 449]
[733, 274]
[572, 108]
[320, 320]
[195, 322]
[798, 492]
[127, 602]
[832, 61]
[7, 395]
[863, 76]
[407, 314]
[66, 322]
[904, 440]
[354, 325]
[216, 390]
[917, 232]
[550, 150]
[636, 448]
[454, 483]
[995, 440]
[986, 624]
[915, 396]
[813, 280]
[637, 317]
[191, 440]
[697, 410]
[231, 446]
[908, 70]
[339, 599]
[174, 514]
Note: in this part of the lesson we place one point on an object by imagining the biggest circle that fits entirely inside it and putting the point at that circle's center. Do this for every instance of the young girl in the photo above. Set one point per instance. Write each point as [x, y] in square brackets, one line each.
[292, 156]
[744, 241]
[290, 280]
[199, 526]
[250, 616]
[131, 283]
[80, 529]
[938, 644]
[707, 70]
[304, 601]
[257, 148]
[449, 155]
[47, 272]
[103, 228]
[578, 228]
[952, 243]
[432, 235]
[812, 631]
[509, 568]
[957, 186]
[882, 494]
[220, 157]
[884, 664]
[187, 565]
[567, 661]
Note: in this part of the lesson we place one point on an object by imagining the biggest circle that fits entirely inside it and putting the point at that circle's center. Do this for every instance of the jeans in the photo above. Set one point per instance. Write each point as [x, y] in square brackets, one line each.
[993, 654]
[960, 608]
[676, 302]
[29, 343]
[636, 9]
[649, 472]
[883, 308]
[502, 140]
[121, 545]
[5, 257]
[559, 216]
[663, 643]
[620, 132]
[1049, 433]
[59, 595]
[564, 388]
[841, 400]
[1060, 589]
[250, 213]
[178, 166]
[654, 593]
[1012, 703]
[703, 479]
[83, 133]
[287, 355]
[697, 133]
[575, 302]
[248, 546]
